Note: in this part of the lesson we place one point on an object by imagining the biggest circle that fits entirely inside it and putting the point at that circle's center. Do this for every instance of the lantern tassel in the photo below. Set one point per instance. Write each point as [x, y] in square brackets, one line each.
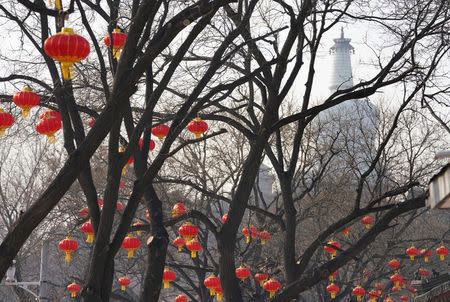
[212, 292]
[193, 254]
[333, 295]
[124, 170]
[25, 112]
[67, 70]
[73, 294]
[58, 4]
[346, 234]
[179, 248]
[166, 284]
[197, 135]
[130, 253]
[358, 298]
[219, 297]
[116, 54]
[272, 293]
[67, 258]
[51, 139]
[248, 239]
[263, 241]
[411, 257]
[262, 283]
[123, 287]
[367, 226]
[365, 279]
[2, 132]
[331, 278]
[90, 238]
[442, 257]
[139, 233]
[426, 259]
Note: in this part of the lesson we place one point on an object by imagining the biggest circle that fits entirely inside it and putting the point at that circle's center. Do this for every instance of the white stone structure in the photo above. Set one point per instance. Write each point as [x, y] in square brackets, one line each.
[341, 77]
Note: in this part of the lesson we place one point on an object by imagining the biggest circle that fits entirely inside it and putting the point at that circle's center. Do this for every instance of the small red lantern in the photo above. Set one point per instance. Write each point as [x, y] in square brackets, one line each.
[359, 292]
[119, 206]
[121, 185]
[272, 286]
[394, 264]
[404, 298]
[412, 252]
[426, 253]
[68, 246]
[130, 243]
[367, 220]
[124, 282]
[366, 275]
[73, 288]
[100, 202]
[253, 233]
[188, 231]
[331, 277]
[224, 218]
[423, 273]
[396, 279]
[67, 48]
[219, 293]
[118, 42]
[178, 209]
[147, 215]
[6, 120]
[261, 278]
[264, 236]
[179, 242]
[441, 251]
[150, 147]
[346, 231]
[84, 212]
[194, 246]
[395, 289]
[49, 126]
[380, 287]
[160, 131]
[331, 250]
[242, 273]
[333, 289]
[373, 295]
[211, 283]
[168, 276]
[181, 298]
[138, 224]
[26, 99]
[87, 229]
[198, 127]
[413, 291]
[91, 122]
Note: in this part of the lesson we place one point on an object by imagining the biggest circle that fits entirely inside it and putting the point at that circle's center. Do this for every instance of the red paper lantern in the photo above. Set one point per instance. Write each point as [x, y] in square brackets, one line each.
[181, 298]
[121, 185]
[87, 229]
[373, 295]
[395, 289]
[26, 99]
[253, 233]
[331, 250]
[219, 293]
[124, 282]
[442, 252]
[423, 273]
[84, 212]
[242, 273]
[197, 127]
[272, 286]
[426, 254]
[100, 202]
[119, 206]
[130, 243]
[331, 276]
[91, 122]
[50, 114]
[346, 231]
[211, 283]
[367, 220]
[412, 252]
[333, 289]
[366, 275]
[150, 147]
[129, 162]
[380, 287]
[68, 246]
[6, 120]
[138, 232]
[73, 288]
[396, 279]
[224, 218]
[67, 48]
[404, 298]
[264, 235]
[179, 242]
[261, 278]
[49, 126]
[394, 264]
[168, 276]
[188, 231]
[147, 215]
[359, 292]
[118, 42]
[194, 246]
[178, 209]
[413, 291]
[160, 131]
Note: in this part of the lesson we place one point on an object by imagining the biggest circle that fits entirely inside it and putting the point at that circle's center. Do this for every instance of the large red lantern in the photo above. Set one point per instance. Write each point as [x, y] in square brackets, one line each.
[331, 250]
[26, 99]
[211, 283]
[150, 147]
[160, 131]
[264, 236]
[224, 218]
[412, 252]
[373, 295]
[272, 286]
[181, 298]
[130, 243]
[242, 273]
[396, 279]
[194, 246]
[404, 298]
[178, 209]
[6, 120]
[380, 287]
[253, 233]
[346, 231]
[359, 292]
[331, 276]
[73, 288]
[333, 289]
[168, 276]
[68, 246]
[49, 126]
[442, 252]
[426, 254]
[179, 242]
[413, 291]
[198, 127]
[118, 42]
[188, 231]
[87, 229]
[261, 278]
[367, 220]
[124, 282]
[67, 48]
[394, 264]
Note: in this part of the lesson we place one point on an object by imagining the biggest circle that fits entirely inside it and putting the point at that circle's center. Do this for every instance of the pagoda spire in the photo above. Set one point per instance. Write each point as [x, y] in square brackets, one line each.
[341, 77]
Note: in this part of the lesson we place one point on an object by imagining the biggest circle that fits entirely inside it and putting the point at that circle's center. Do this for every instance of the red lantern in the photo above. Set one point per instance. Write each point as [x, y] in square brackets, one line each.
[224, 218]
[412, 252]
[129, 162]
[333, 290]
[119, 206]
[188, 231]
[211, 283]
[331, 250]
[118, 42]
[423, 273]
[396, 279]
[168, 276]
[272, 286]
[87, 229]
[346, 231]
[160, 131]
[181, 298]
[219, 293]
[367, 220]
[380, 287]
[404, 282]
[91, 122]
[359, 292]
[68, 246]
[100, 202]
[84, 212]
[441, 251]
[73, 288]
[331, 277]
[49, 126]
[395, 289]
[366, 275]
[6, 120]
[26, 99]
[261, 278]
[179, 242]
[394, 264]
[178, 209]
[150, 147]
[138, 232]
[373, 295]
[147, 215]
[253, 233]
[50, 114]
[426, 253]
[121, 185]
[194, 246]
[413, 291]
[198, 127]
[404, 298]
[67, 48]
[124, 282]
[264, 235]
[130, 243]
[242, 273]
